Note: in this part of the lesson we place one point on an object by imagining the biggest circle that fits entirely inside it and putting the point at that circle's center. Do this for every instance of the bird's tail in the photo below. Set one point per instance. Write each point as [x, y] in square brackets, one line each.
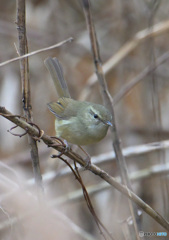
[55, 69]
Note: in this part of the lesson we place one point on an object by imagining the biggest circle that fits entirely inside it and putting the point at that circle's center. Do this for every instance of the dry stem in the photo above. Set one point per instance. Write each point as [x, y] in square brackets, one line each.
[26, 95]
[109, 103]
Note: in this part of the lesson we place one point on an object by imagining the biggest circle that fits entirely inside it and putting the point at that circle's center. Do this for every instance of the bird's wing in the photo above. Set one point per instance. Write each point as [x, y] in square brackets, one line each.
[64, 108]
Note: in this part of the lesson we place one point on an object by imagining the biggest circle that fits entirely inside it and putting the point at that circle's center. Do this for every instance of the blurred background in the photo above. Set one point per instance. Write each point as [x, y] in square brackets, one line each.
[141, 116]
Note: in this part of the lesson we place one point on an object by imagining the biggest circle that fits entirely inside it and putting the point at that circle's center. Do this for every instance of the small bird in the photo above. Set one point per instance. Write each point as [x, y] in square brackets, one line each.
[78, 122]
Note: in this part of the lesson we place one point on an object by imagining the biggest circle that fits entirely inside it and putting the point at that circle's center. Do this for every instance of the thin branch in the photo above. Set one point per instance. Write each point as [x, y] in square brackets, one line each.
[108, 101]
[96, 55]
[37, 51]
[26, 92]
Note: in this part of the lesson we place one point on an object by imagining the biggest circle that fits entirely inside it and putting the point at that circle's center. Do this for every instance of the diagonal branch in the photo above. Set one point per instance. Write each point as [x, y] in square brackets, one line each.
[37, 51]
[93, 168]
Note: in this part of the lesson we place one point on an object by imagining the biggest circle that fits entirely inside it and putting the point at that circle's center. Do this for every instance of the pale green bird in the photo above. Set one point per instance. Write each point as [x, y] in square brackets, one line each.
[78, 122]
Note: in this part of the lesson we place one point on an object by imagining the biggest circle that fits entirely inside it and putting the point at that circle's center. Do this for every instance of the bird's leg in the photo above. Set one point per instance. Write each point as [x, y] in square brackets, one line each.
[62, 143]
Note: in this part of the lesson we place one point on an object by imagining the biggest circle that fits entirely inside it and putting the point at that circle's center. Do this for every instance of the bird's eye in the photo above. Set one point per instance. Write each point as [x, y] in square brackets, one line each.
[95, 116]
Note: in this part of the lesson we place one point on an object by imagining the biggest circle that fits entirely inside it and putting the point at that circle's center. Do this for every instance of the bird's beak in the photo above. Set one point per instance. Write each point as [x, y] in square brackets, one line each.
[108, 123]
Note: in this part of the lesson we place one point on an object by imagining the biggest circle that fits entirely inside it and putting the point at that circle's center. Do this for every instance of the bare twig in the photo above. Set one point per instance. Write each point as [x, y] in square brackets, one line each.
[16, 134]
[26, 98]
[93, 168]
[37, 51]
[96, 54]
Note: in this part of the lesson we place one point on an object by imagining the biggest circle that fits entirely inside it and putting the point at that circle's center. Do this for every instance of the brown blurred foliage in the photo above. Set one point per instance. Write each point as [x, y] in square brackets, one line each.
[141, 116]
